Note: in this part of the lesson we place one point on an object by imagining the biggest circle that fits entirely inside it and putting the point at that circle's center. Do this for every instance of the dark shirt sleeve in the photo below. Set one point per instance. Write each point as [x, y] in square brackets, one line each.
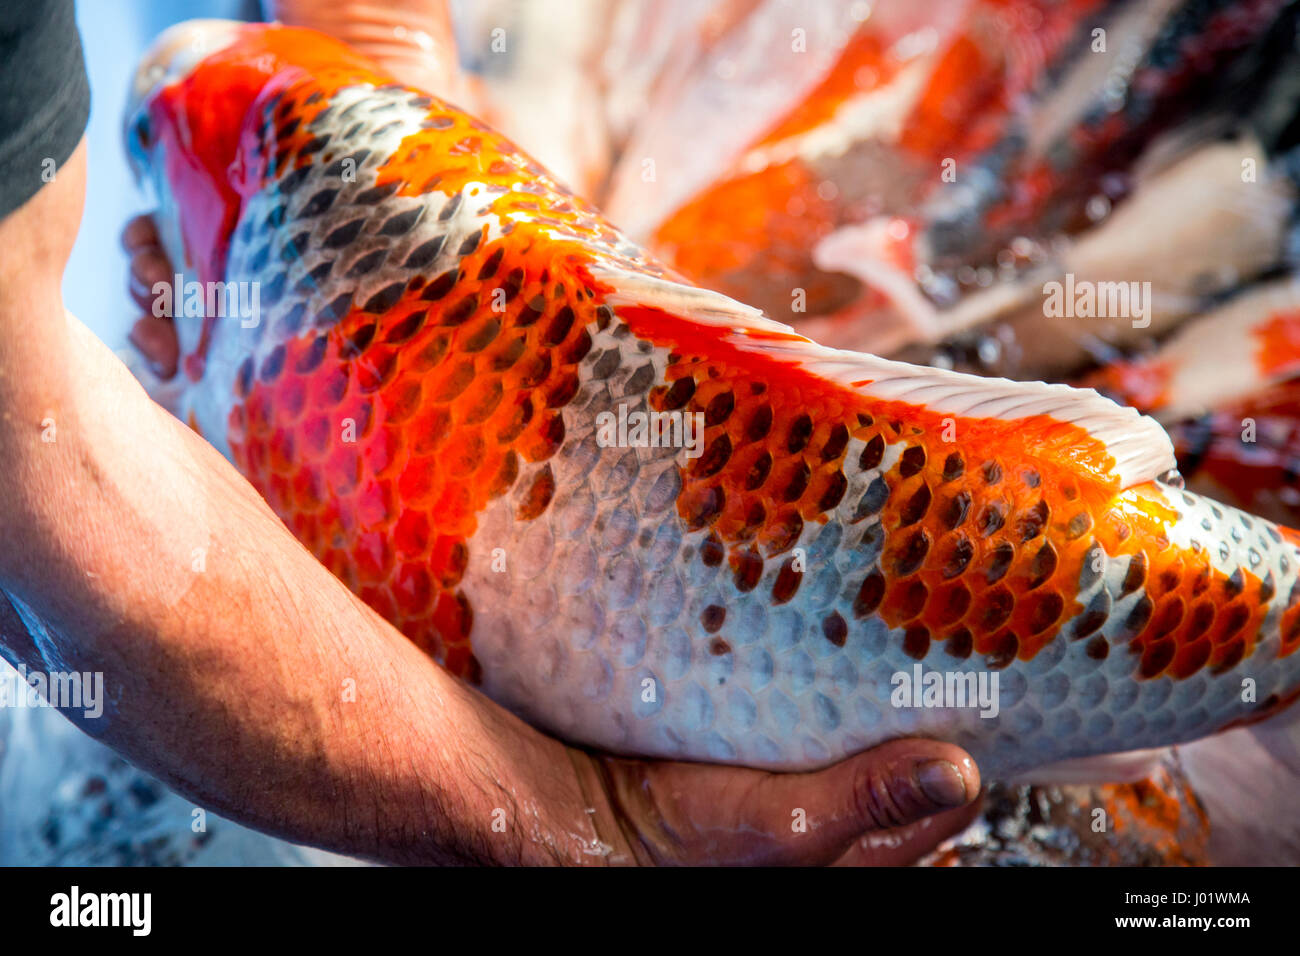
[44, 95]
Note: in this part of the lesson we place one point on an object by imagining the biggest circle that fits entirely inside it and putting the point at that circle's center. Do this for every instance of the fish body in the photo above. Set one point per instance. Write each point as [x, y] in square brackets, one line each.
[447, 396]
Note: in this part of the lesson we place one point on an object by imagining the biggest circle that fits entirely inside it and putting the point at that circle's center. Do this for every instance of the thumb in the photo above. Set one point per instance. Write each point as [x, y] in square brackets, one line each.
[692, 813]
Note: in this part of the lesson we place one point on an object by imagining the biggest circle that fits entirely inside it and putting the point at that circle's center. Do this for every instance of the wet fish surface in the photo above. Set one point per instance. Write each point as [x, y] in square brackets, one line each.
[451, 395]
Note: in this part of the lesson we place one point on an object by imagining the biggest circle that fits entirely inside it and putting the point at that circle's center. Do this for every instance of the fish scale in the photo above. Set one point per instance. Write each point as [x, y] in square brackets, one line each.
[421, 402]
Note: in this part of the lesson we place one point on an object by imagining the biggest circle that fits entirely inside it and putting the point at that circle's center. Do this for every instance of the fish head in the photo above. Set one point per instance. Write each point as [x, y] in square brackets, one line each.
[200, 137]
[160, 141]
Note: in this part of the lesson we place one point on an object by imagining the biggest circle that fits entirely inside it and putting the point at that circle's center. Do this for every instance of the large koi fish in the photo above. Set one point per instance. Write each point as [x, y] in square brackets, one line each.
[639, 513]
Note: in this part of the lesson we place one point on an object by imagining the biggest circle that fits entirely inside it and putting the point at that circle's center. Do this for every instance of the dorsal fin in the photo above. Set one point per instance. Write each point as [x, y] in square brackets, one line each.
[1139, 446]
[1141, 449]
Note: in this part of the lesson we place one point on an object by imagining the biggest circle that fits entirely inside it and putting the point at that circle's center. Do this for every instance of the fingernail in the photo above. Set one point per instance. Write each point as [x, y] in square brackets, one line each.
[142, 347]
[942, 783]
[149, 348]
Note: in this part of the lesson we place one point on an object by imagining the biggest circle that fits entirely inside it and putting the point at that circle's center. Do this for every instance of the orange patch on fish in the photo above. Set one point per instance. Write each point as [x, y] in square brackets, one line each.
[763, 223]
[1143, 384]
[863, 65]
[380, 439]
[1278, 344]
[967, 560]
[986, 535]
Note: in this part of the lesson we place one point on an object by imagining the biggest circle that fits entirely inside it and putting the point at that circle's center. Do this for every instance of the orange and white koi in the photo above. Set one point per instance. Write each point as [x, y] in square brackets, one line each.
[443, 329]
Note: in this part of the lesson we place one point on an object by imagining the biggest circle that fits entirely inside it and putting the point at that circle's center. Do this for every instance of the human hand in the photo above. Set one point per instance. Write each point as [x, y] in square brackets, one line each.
[886, 807]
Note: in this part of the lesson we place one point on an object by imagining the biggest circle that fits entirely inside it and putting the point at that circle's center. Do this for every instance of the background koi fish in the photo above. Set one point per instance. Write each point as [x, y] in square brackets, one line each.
[932, 166]
[441, 325]
[1227, 386]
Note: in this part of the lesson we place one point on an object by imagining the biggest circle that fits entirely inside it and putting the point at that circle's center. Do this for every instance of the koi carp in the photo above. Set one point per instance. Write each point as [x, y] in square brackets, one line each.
[445, 335]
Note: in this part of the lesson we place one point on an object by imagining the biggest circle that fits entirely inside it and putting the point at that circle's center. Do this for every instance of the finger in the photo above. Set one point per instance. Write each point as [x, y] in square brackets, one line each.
[903, 846]
[696, 813]
[155, 339]
[140, 232]
[149, 266]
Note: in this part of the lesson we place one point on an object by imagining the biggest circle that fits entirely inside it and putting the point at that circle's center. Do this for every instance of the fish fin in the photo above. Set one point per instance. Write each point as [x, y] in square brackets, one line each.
[1137, 444]
[1127, 767]
[1247, 780]
[684, 300]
